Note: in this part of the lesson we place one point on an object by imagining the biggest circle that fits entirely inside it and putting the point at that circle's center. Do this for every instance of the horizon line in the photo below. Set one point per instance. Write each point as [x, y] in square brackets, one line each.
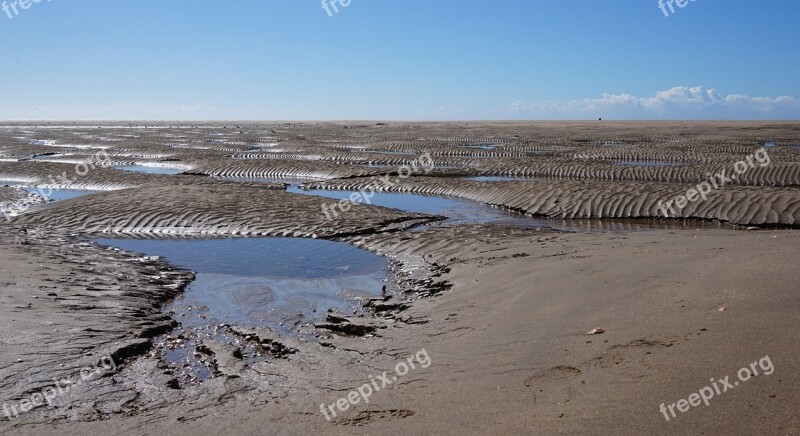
[221, 120]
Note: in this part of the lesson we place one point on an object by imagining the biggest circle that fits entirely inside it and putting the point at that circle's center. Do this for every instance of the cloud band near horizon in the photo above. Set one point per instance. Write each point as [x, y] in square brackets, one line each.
[680, 102]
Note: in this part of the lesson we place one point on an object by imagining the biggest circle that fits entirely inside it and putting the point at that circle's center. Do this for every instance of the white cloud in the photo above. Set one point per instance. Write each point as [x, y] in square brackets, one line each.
[450, 109]
[678, 102]
[517, 106]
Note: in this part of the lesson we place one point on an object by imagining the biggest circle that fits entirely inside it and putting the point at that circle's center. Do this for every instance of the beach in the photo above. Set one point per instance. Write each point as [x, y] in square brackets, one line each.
[571, 277]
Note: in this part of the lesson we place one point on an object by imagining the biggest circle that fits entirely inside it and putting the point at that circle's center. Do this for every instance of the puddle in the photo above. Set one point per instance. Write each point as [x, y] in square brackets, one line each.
[457, 211]
[60, 194]
[772, 144]
[468, 212]
[641, 163]
[481, 146]
[149, 169]
[293, 182]
[285, 284]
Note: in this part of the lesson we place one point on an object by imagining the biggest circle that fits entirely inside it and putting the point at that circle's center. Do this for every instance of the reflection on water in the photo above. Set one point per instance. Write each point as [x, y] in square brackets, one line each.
[278, 180]
[259, 257]
[468, 212]
[481, 146]
[150, 169]
[457, 211]
[284, 284]
[60, 194]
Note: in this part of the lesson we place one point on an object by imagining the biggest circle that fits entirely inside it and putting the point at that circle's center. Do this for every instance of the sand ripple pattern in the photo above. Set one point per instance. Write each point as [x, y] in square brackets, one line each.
[213, 210]
[57, 175]
[287, 169]
[581, 170]
[580, 199]
[775, 174]
[683, 155]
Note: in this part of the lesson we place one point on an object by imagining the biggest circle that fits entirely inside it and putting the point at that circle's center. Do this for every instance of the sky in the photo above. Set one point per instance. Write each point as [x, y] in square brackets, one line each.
[399, 60]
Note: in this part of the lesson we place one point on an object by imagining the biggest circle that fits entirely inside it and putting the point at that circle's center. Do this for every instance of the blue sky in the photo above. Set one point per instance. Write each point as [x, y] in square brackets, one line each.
[400, 60]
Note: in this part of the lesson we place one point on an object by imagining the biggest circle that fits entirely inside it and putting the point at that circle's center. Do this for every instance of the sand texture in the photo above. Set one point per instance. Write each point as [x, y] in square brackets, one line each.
[502, 311]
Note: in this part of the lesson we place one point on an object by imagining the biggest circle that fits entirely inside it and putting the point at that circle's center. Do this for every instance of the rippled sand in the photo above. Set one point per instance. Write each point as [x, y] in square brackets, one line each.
[502, 310]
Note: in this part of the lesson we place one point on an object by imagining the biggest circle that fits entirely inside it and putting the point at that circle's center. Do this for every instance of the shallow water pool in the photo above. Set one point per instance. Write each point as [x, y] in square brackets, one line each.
[323, 273]
[469, 212]
[284, 284]
[150, 169]
[60, 194]
[457, 211]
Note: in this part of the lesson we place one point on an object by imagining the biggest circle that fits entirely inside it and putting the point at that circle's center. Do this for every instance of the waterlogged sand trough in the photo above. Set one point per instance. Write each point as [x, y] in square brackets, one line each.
[501, 311]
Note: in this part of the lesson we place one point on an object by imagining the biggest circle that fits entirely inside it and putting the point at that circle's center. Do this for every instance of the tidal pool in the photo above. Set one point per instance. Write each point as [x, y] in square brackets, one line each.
[284, 284]
[457, 211]
[60, 194]
[148, 169]
[245, 280]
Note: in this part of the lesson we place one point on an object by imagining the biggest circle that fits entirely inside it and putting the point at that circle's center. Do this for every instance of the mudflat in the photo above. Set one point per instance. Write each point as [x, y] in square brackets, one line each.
[604, 278]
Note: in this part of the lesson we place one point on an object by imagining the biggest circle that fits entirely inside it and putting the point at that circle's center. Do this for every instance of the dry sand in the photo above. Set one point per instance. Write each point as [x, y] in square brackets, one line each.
[502, 313]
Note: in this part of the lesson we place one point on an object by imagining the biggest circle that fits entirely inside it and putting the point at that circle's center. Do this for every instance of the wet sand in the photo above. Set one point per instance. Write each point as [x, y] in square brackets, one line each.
[502, 312]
